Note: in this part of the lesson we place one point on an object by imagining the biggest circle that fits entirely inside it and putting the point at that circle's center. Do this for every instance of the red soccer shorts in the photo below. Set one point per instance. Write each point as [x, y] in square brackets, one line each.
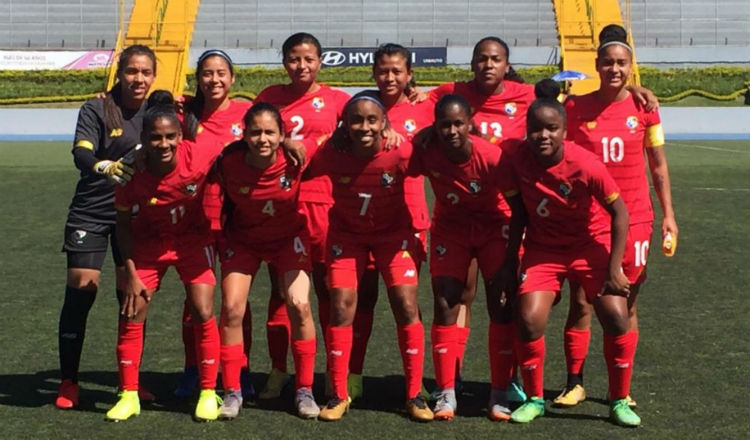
[347, 256]
[636, 252]
[545, 271]
[286, 255]
[192, 256]
[317, 228]
[451, 253]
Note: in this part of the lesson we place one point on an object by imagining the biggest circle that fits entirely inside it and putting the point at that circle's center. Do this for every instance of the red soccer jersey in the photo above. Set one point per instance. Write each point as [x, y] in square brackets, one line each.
[564, 201]
[170, 205]
[263, 202]
[219, 128]
[465, 193]
[501, 116]
[368, 193]
[618, 133]
[310, 116]
[407, 119]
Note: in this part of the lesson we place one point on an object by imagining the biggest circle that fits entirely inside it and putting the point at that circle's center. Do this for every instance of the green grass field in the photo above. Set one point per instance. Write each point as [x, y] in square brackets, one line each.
[692, 367]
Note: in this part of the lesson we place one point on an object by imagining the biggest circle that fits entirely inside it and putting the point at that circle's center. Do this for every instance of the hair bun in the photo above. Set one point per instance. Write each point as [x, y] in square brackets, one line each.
[613, 32]
[160, 98]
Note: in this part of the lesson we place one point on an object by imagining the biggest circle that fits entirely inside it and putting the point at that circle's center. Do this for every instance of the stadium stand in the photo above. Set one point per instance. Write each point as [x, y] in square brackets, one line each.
[88, 24]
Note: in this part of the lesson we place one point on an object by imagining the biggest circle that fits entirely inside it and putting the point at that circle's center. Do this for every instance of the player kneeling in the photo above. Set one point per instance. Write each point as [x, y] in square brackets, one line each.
[169, 229]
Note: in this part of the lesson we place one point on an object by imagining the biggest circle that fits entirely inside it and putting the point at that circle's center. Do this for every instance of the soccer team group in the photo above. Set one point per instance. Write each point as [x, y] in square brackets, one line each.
[328, 190]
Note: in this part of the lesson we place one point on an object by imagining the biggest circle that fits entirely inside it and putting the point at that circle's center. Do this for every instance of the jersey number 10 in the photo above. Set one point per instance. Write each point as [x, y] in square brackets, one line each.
[613, 150]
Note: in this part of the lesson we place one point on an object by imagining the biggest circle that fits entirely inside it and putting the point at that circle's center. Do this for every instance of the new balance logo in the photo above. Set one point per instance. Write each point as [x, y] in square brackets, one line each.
[69, 335]
[528, 367]
[622, 365]
[337, 353]
[410, 273]
[208, 361]
[505, 352]
[126, 362]
[412, 351]
[441, 351]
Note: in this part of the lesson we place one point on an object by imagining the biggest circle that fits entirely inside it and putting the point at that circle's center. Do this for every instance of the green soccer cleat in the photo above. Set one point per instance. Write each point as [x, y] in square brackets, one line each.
[208, 405]
[129, 405]
[621, 414]
[533, 408]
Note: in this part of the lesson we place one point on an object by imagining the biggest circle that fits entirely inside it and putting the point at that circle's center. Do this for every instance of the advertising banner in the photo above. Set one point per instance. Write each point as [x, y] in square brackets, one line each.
[363, 56]
[39, 60]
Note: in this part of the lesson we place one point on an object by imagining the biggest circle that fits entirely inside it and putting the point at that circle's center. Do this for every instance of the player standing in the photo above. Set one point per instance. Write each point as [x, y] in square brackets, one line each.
[613, 124]
[211, 117]
[557, 190]
[107, 129]
[467, 224]
[170, 229]
[309, 110]
[369, 216]
[263, 224]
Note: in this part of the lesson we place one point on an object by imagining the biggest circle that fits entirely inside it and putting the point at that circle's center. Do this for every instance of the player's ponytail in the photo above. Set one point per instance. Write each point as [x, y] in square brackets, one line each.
[112, 110]
[194, 107]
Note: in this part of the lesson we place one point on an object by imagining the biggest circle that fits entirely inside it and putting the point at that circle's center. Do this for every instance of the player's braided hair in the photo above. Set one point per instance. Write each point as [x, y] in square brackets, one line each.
[194, 107]
[113, 100]
[512, 75]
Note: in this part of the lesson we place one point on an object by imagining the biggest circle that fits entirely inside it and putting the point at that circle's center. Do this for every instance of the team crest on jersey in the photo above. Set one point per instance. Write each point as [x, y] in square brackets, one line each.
[475, 187]
[410, 125]
[632, 123]
[236, 130]
[440, 250]
[244, 189]
[336, 251]
[318, 103]
[510, 109]
[564, 189]
[285, 183]
[591, 125]
[190, 189]
[386, 179]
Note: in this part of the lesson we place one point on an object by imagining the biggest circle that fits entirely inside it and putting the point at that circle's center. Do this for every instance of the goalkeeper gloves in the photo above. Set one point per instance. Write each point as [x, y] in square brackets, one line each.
[114, 170]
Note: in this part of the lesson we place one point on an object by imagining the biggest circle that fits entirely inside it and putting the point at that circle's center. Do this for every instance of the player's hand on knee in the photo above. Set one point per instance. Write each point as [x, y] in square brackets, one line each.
[616, 284]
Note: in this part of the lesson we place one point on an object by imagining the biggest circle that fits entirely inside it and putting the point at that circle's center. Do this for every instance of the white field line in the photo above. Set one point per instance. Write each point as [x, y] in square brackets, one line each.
[706, 147]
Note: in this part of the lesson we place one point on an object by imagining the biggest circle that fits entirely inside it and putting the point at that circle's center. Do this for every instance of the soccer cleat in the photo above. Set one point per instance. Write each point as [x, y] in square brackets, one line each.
[446, 405]
[621, 414]
[277, 380]
[231, 405]
[515, 392]
[498, 408]
[570, 397]
[187, 385]
[631, 402]
[533, 408]
[207, 408]
[334, 410]
[67, 395]
[305, 403]
[126, 407]
[354, 386]
[418, 410]
[246, 383]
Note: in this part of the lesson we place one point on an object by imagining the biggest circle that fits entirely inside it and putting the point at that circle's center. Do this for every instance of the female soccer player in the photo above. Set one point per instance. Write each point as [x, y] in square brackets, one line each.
[170, 229]
[310, 110]
[369, 216]
[557, 190]
[467, 224]
[392, 73]
[614, 125]
[210, 117]
[108, 128]
[261, 187]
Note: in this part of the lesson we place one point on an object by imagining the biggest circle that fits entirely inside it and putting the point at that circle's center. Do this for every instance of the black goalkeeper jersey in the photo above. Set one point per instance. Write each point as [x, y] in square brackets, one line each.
[92, 208]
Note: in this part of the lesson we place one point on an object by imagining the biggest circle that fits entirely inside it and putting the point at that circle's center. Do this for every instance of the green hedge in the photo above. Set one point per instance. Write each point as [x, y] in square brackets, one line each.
[64, 85]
